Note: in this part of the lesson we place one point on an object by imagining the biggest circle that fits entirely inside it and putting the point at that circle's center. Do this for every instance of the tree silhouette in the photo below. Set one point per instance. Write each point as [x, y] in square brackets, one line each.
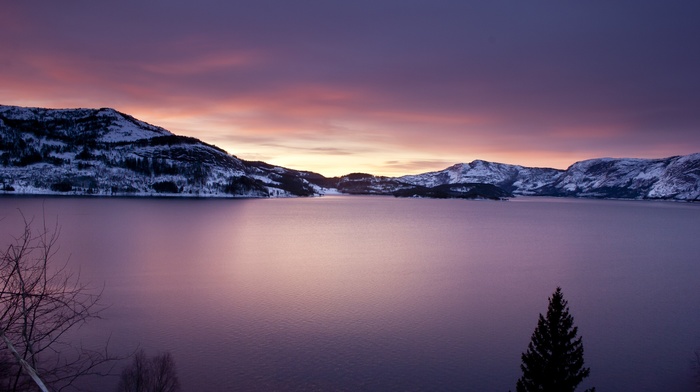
[696, 369]
[553, 361]
[40, 302]
[154, 374]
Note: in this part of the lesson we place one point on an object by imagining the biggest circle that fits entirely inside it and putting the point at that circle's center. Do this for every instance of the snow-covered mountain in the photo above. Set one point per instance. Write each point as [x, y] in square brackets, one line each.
[669, 178]
[105, 152]
[512, 178]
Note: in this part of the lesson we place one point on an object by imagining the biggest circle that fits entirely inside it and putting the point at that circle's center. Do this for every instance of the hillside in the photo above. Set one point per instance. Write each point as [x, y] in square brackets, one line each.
[676, 178]
[105, 152]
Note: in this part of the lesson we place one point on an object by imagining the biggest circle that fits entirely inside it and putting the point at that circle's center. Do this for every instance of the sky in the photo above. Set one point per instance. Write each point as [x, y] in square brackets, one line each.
[384, 87]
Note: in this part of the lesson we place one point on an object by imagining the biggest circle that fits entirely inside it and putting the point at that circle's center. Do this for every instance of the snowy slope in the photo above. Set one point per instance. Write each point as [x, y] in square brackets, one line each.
[679, 180]
[513, 178]
[669, 178]
[105, 152]
[105, 125]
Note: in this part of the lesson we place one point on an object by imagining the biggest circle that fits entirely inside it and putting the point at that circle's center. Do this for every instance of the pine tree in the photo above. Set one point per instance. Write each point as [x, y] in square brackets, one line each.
[553, 361]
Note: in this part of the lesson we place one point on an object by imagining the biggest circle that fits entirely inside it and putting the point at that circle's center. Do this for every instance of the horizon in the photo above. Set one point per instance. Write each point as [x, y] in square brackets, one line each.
[360, 172]
[388, 88]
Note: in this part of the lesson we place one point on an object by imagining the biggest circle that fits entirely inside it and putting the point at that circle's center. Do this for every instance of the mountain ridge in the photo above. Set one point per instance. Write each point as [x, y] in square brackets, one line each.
[107, 152]
[676, 177]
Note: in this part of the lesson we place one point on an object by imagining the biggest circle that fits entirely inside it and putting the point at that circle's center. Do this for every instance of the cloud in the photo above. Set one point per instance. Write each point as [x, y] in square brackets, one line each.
[417, 166]
[208, 63]
[373, 82]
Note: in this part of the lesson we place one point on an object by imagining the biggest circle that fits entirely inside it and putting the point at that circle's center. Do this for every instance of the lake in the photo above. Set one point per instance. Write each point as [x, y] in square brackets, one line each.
[361, 293]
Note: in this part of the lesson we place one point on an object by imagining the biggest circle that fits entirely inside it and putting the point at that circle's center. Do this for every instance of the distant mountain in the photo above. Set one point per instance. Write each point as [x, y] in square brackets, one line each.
[675, 178]
[512, 178]
[105, 152]
[367, 184]
[669, 178]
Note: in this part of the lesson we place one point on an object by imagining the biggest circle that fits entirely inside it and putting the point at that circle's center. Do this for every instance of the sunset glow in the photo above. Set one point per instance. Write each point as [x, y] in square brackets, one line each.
[384, 87]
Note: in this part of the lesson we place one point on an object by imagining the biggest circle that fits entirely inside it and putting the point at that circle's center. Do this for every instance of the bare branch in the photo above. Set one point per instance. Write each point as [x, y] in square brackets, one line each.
[40, 301]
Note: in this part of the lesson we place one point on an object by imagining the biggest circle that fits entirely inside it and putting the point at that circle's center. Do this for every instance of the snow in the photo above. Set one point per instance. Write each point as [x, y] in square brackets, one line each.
[650, 178]
[675, 177]
[101, 177]
[522, 178]
[126, 129]
[330, 192]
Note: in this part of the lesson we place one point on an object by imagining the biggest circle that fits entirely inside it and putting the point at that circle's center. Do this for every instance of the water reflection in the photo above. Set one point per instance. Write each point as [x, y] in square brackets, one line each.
[375, 293]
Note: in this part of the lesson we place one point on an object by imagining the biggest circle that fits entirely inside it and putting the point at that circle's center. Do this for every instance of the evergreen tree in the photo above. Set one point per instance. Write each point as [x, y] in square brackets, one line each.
[553, 361]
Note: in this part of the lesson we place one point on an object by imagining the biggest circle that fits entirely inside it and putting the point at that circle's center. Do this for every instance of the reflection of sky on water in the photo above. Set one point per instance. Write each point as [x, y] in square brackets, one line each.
[377, 292]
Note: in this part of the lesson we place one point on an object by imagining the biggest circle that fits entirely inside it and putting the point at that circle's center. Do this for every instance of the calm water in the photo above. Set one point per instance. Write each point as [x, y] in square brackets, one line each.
[377, 293]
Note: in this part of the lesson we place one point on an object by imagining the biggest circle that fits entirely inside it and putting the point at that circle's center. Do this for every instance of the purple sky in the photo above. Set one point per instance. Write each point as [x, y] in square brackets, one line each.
[386, 87]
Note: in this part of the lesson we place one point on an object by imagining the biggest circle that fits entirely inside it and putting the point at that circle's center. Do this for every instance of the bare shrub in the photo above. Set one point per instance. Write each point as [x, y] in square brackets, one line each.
[156, 374]
[40, 301]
